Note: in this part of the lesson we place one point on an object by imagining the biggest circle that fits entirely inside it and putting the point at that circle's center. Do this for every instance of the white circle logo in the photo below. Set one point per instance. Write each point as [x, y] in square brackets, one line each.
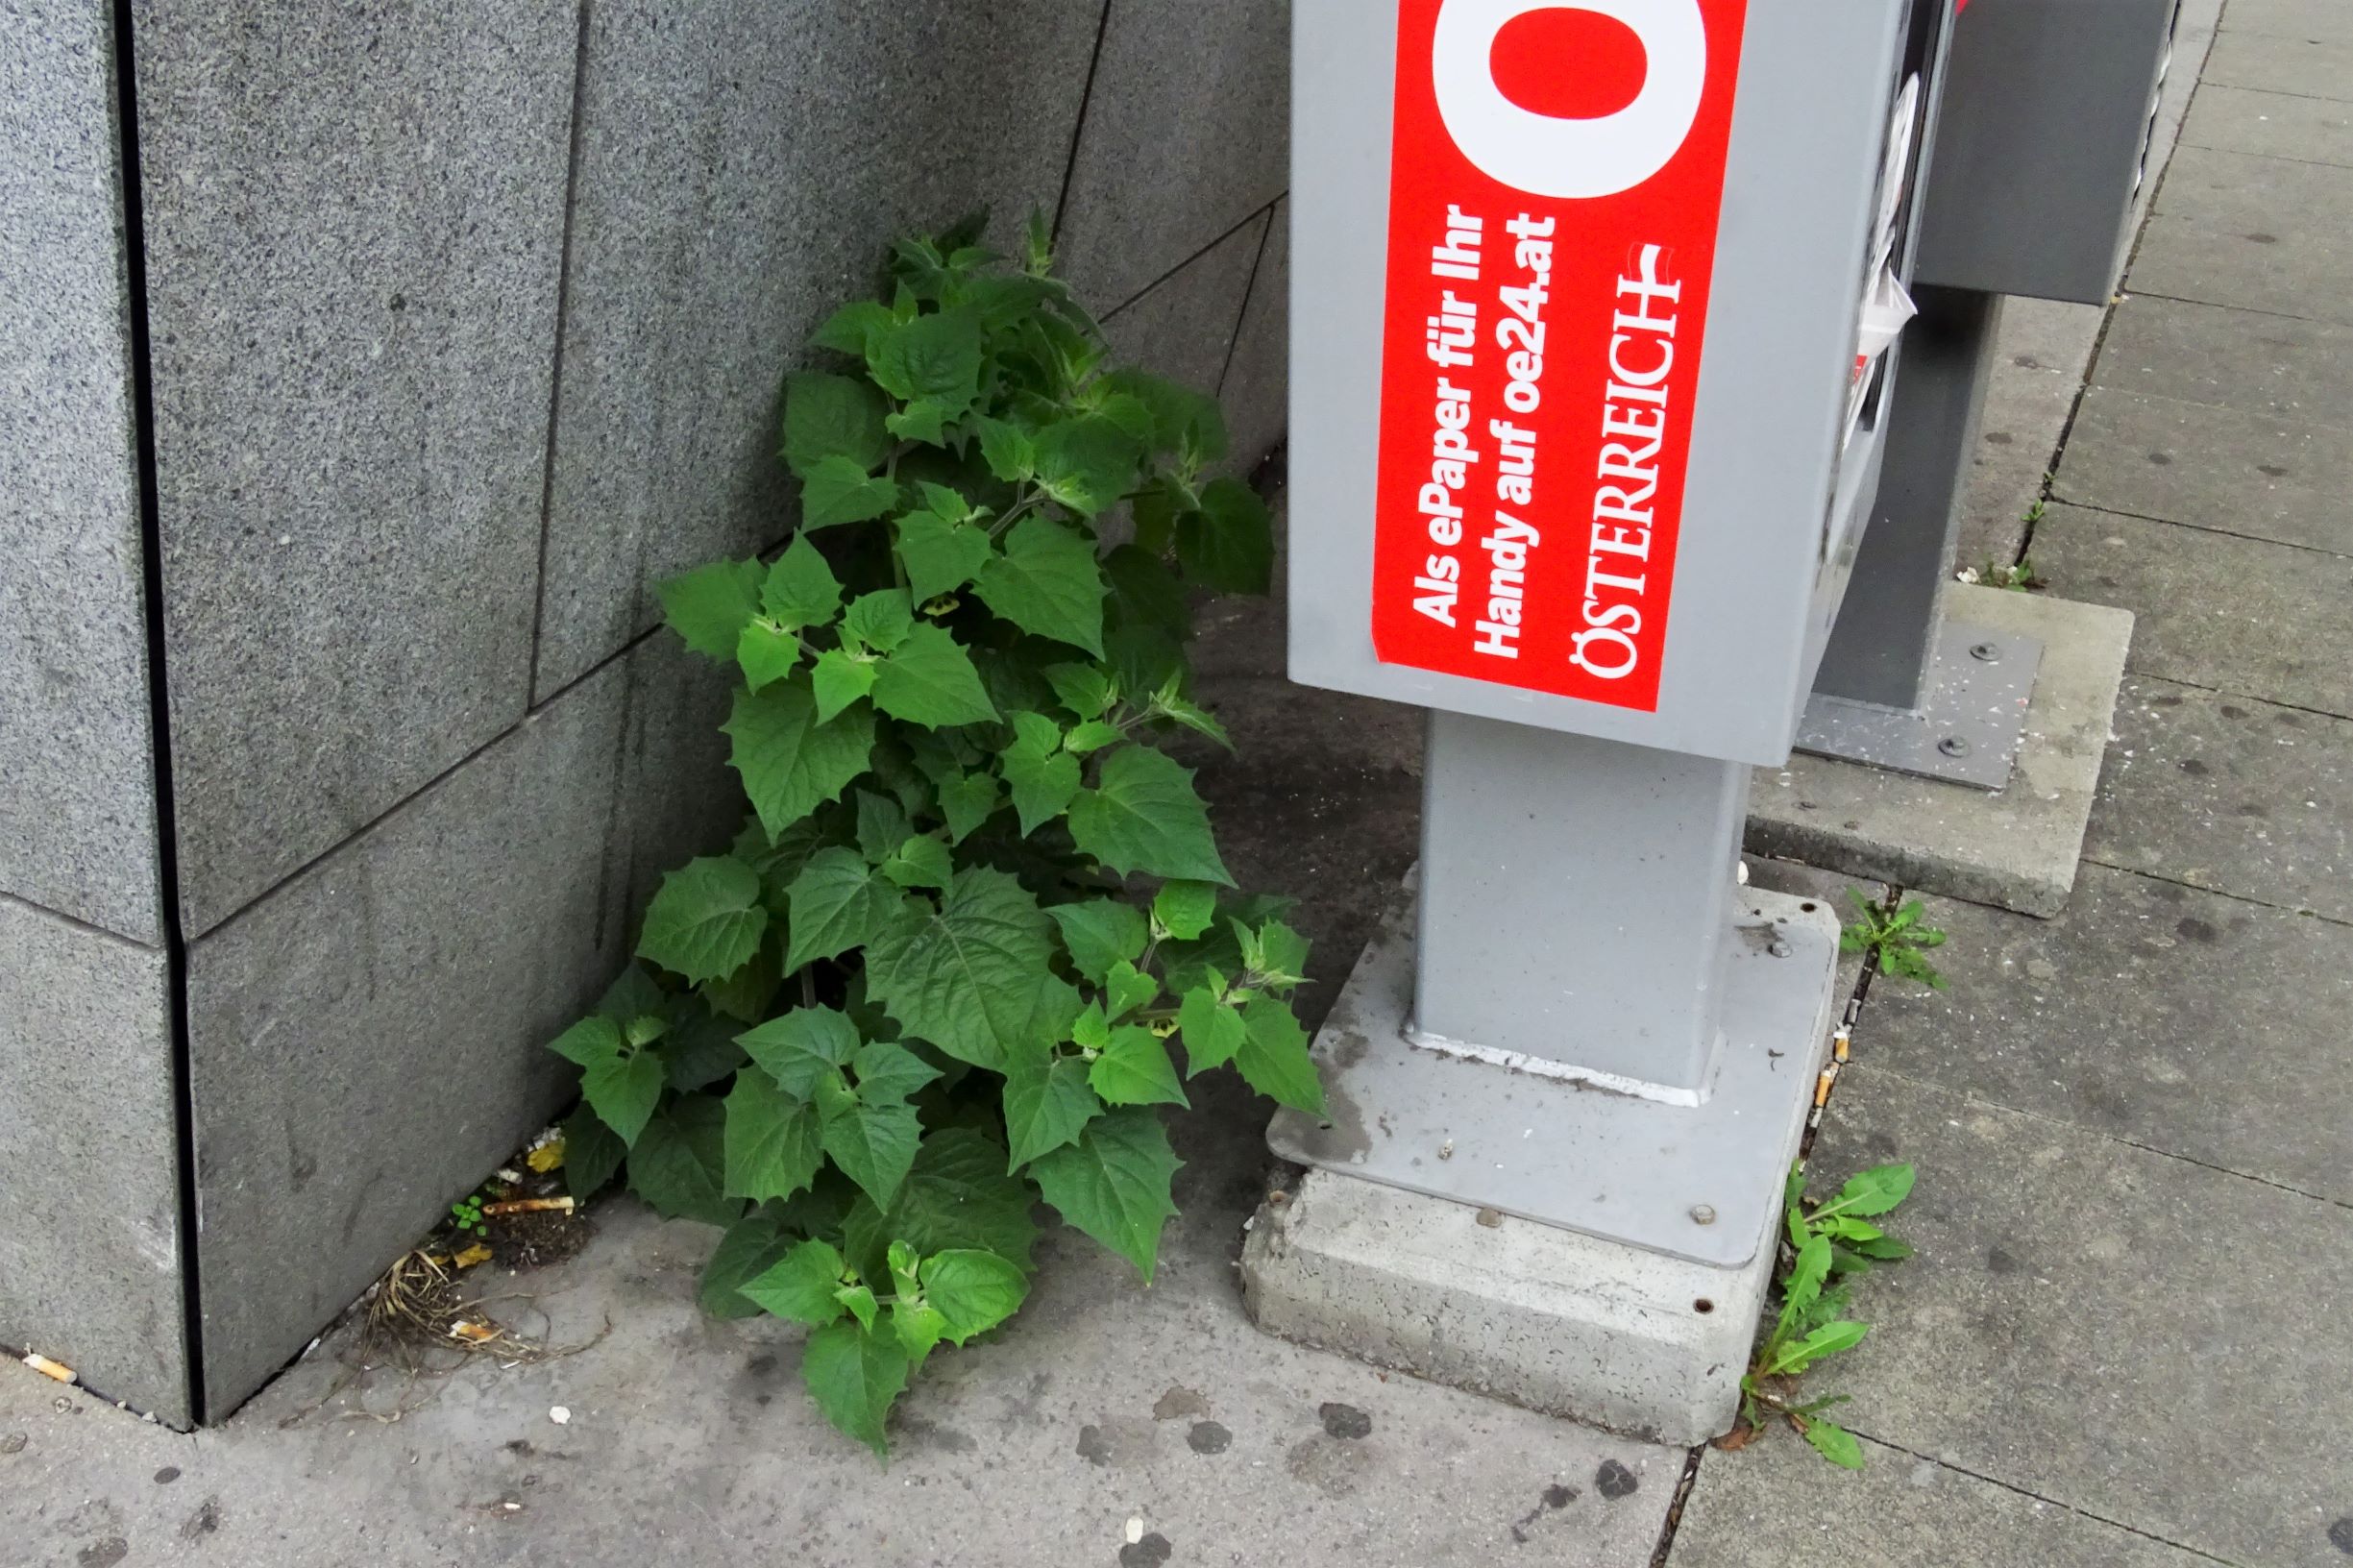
[1571, 159]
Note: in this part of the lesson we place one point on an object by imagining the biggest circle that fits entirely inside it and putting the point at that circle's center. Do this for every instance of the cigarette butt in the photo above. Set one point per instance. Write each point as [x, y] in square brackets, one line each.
[1822, 1087]
[529, 1206]
[48, 1368]
[1840, 1044]
[472, 1333]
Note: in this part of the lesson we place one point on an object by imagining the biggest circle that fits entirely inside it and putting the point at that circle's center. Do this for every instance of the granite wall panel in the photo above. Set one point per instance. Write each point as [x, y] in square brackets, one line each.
[366, 1042]
[89, 1231]
[1187, 133]
[743, 166]
[77, 771]
[1183, 327]
[466, 324]
[354, 219]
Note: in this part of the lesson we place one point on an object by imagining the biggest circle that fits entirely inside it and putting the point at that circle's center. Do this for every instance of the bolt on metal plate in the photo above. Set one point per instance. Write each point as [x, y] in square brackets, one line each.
[1979, 684]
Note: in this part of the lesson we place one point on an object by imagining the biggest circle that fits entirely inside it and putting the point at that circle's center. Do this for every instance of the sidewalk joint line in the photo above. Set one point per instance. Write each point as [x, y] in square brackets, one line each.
[2206, 527]
[2038, 1497]
[2276, 158]
[1970, 1098]
[2219, 893]
[2276, 92]
[2131, 293]
[1674, 1521]
[2243, 697]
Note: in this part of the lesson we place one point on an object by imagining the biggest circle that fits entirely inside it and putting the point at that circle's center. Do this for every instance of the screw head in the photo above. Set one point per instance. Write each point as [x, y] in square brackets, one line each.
[1778, 949]
[1703, 1214]
[1985, 652]
[1952, 746]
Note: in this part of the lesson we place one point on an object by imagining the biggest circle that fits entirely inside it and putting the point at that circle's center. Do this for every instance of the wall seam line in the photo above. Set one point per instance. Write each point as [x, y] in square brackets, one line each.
[1247, 219]
[1078, 129]
[555, 373]
[1250, 289]
[352, 837]
[141, 368]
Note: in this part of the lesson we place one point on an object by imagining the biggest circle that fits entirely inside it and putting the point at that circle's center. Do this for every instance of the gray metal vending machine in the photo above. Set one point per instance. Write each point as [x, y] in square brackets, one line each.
[1594, 311]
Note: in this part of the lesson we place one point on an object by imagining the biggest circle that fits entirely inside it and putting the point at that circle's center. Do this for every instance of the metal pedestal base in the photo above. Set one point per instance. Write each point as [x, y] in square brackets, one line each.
[1696, 1182]
[1967, 732]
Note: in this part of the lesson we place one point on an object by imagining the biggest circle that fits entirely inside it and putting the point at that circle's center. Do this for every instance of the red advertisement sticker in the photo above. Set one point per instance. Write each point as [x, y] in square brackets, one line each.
[1555, 183]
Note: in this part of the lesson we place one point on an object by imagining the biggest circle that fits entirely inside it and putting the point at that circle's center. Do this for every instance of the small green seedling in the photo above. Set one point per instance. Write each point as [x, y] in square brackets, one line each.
[1896, 938]
[1831, 1244]
[466, 1213]
[2017, 578]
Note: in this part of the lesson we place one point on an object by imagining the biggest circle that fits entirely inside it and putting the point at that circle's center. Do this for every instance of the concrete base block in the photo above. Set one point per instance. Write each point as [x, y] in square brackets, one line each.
[1618, 1337]
[2016, 848]
[1596, 1322]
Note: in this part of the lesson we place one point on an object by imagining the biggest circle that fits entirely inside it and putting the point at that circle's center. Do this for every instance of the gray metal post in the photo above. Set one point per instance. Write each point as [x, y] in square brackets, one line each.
[1899, 686]
[1585, 942]
[1592, 1025]
[1881, 646]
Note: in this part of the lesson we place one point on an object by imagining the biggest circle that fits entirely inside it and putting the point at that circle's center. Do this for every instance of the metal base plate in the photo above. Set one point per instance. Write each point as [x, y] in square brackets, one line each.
[1979, 683]
[1696, 1182]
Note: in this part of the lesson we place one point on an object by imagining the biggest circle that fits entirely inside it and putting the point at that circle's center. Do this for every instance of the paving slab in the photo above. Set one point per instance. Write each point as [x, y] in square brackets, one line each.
[2040, 352]
[2315, 19]
[2234, 615]
[2194, 22]
[2252, 475]
[2189, 1022]
[2247, 360]
[2234, 420]
[2309, 65]
[1777, 1505]
[2230, 794]
[2271, 124]
[2262, 232]
[2132, 1335]
[2017, 846]
[2313, 64]
[691, 1441]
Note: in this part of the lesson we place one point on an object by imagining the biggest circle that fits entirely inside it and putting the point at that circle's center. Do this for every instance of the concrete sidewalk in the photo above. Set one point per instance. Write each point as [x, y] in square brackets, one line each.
[2124, 1343]
[2126, 1339]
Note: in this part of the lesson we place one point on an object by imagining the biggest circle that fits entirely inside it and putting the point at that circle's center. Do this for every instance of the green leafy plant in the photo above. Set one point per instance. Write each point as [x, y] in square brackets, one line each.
[1829, 1244]
[466, 1213]
[939, 976]
[1895, 937]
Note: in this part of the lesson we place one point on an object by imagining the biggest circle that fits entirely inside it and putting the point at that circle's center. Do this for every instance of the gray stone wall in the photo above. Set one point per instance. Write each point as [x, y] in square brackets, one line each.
[89, 1192]
[466, 321]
